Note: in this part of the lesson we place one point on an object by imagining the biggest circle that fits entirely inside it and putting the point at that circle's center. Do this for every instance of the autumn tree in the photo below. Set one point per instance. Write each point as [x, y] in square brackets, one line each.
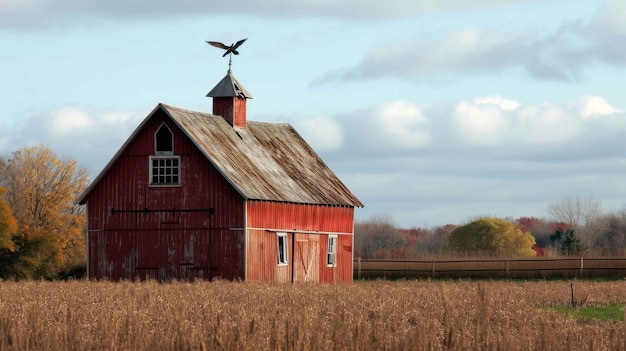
[8, 224]
[8, 228]
[492, 236]
[41, 189]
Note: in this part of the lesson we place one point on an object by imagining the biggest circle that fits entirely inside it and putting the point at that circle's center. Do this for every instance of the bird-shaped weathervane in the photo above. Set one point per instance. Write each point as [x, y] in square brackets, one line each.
[232, 49]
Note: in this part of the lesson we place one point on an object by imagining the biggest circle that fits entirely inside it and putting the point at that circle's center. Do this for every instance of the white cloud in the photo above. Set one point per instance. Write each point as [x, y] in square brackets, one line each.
[563, 55]
[393, 125]
[322, 132]
[91, 138]
[594, 107]
[66, 120]
[398, 125]
[490, 122]
[504, 104]
[466, 50]
[546, 124]
[610, 19]
[482, 124]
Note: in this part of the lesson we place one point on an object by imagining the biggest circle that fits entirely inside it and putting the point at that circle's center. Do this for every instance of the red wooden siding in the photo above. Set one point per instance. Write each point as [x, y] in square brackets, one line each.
[233, 109]
[308, 227]
[303, 217]
[164, 232]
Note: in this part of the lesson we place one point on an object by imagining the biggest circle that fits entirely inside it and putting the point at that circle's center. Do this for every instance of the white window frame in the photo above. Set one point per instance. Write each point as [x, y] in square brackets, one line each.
[331, 251]
[282, 248]
[152, 168]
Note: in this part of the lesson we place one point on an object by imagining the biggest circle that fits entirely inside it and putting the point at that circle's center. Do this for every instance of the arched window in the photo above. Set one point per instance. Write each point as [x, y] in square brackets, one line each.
[164, 166]
[164, 141]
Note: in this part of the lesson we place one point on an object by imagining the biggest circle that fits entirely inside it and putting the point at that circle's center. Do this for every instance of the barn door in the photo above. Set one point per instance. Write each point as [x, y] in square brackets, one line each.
[306, 257]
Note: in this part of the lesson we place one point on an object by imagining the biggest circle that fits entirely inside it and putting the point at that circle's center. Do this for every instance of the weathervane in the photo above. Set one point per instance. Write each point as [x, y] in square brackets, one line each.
[230, 50]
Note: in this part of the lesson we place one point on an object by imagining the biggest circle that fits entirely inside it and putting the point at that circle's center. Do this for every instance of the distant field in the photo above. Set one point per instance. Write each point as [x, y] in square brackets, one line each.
[371, 315]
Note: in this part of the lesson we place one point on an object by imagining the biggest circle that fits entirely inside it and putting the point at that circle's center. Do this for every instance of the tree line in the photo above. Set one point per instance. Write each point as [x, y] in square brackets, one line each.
[574, 227]
[42, 229]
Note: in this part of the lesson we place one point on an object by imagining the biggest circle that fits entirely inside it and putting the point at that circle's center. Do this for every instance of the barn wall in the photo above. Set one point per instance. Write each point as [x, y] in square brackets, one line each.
[126, 217]
[304, 217]
[308, 227]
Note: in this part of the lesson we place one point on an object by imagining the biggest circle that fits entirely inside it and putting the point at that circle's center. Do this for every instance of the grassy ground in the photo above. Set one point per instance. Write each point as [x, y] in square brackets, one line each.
[373, 315]
[603, 313]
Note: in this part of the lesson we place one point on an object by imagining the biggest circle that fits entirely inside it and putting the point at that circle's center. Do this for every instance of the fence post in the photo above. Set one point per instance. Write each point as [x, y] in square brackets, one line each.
[433, 268]
[581, 266]
[507, 268]
[359, 268]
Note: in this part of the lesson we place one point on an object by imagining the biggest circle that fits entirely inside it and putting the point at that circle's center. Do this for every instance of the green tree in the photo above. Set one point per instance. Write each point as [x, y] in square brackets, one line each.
[41, 189]
[492, 236]
[569, 244]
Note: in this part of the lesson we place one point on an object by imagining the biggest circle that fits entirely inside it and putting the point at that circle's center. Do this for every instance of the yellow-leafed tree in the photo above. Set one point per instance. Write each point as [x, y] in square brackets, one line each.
[492, 236]
[41, 190]
[8, 225]
[8, 228]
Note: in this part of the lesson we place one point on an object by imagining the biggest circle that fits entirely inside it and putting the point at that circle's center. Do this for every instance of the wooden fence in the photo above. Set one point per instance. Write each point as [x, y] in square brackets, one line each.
[580, 267]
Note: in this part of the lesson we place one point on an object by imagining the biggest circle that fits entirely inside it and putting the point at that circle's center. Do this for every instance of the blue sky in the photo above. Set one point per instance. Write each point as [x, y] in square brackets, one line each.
[432, 112]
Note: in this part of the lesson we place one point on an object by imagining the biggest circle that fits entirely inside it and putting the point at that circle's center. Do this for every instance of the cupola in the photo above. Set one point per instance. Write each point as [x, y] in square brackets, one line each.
[229, 100]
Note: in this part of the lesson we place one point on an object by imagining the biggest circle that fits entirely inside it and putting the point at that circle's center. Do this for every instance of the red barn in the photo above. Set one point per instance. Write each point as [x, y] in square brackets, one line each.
[192, 195]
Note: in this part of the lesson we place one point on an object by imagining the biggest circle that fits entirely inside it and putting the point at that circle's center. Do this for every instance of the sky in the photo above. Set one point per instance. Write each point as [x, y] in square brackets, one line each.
[432, 112]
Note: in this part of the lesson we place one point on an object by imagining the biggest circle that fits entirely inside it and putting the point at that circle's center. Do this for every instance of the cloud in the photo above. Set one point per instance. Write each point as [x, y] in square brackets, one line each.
[26, 13]
[467, 50]
[322, 132]
[73, 131]
[485, 156]
[475, 50]
[482, 124]
[563, 55]
[595, 107]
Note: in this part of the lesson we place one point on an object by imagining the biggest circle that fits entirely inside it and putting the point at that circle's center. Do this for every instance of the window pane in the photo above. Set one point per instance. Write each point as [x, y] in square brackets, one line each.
[165, 170]
[282, 249]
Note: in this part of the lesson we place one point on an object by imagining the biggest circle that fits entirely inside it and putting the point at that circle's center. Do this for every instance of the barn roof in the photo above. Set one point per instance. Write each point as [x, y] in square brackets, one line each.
[264, 161]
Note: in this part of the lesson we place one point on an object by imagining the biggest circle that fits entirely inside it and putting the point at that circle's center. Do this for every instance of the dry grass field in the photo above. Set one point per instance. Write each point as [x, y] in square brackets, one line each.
[372, 315]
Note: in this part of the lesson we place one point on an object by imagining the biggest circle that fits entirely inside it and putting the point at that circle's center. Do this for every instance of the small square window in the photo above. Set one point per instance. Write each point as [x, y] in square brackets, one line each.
[165, 170]
[282, 249]
[331, 257]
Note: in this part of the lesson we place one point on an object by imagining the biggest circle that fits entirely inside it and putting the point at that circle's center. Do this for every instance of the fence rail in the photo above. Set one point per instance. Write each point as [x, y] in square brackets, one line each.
[580, 267]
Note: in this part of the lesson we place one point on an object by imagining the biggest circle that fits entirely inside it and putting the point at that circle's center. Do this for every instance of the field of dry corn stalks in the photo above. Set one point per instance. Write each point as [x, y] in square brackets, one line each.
[373, 315]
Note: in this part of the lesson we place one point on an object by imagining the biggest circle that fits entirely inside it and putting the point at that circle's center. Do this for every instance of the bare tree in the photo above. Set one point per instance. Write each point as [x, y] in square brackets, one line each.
[584, 215]
[613, 239]
[431, 242]
[377, 237]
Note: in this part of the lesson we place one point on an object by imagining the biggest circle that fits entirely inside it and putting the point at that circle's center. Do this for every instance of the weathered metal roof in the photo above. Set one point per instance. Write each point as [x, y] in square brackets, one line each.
[264, 161]
[229, 86]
